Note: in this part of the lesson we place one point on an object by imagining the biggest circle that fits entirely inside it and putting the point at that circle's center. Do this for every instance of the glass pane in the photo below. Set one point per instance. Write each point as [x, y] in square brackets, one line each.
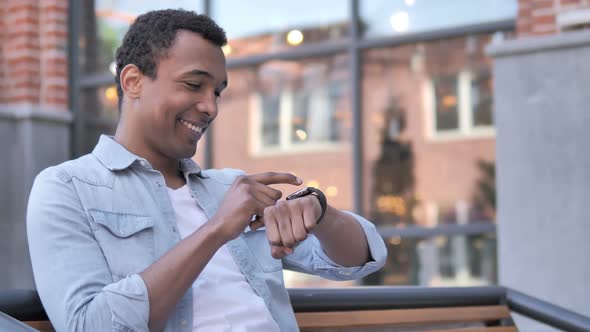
[439, 262]
[272, 119]
[303, 103]
[104, 23]
[299, 121]
[100, 102]
[259, 26]
[392, 17]
[100, 107]
[446, 109]
[482, 99]
[417, 176]
[316, 106]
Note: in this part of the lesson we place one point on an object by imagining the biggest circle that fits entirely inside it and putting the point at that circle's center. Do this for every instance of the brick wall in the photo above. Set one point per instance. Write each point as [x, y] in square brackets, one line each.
[33, 52]
[542, 17]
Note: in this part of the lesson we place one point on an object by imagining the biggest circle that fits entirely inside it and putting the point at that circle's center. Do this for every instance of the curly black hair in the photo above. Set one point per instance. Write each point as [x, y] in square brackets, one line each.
[152, 34]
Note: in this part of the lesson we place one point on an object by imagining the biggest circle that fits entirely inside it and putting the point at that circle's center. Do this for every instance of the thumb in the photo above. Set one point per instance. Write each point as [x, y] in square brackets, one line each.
[278, 252]
[257, 224]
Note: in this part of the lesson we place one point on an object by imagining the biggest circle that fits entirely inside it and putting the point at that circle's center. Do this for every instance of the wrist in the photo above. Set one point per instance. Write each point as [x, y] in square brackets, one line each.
[329, 221]
[319, 197]
[216, 231]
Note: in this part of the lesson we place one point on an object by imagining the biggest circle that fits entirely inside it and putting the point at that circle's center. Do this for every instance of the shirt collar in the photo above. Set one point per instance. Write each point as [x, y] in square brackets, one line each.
[112, 154]
[115, 157]
[189, 166]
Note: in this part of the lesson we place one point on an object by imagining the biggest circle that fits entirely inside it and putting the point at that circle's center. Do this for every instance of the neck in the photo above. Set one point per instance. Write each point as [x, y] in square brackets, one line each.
[139, 146]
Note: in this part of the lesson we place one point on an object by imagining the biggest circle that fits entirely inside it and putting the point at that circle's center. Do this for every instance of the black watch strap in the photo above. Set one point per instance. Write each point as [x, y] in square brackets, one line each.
[311, 191]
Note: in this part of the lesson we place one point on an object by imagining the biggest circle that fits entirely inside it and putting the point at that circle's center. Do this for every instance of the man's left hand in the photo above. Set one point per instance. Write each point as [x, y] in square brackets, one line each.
[289, 222]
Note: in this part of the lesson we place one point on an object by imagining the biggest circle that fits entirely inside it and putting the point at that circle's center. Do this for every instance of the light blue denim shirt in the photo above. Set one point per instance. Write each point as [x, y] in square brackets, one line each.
[95, 222]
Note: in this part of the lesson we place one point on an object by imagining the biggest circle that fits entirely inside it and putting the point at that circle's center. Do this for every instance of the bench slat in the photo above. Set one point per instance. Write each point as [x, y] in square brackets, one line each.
[342, 319]
[397, 317]
[42, 326]
[480, 329]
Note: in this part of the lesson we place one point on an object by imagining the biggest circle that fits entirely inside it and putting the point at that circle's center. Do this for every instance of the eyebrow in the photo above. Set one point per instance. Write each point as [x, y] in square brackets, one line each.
[198, 72]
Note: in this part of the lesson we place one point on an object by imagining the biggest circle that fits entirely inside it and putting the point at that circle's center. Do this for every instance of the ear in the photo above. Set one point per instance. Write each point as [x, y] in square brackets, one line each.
[131, 78]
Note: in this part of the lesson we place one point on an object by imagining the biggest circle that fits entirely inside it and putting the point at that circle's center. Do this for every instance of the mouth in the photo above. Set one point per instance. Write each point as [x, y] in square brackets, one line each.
[196, 129]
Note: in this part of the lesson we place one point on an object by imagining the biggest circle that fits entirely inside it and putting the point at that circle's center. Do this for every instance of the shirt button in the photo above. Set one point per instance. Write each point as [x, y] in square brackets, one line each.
[159, 183]
[174, 229]
[183, 323]
[143, 163]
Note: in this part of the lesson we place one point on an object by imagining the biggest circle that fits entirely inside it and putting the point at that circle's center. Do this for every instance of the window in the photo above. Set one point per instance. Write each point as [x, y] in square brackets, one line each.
[301, 106]
[295, 115]
[446, 107]
[460, 104]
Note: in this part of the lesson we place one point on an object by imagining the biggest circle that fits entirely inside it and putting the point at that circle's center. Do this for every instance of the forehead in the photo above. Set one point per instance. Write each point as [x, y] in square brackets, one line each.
[191, 51]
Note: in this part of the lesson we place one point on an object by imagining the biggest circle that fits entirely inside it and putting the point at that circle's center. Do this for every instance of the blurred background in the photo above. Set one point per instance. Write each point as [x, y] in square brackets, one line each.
[458, 127]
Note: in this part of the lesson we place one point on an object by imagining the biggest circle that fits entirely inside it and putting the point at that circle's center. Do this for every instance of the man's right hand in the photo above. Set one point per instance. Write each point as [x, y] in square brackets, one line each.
[249, 195]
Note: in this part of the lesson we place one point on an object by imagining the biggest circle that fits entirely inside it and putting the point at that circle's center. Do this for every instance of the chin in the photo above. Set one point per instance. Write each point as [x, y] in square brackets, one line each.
[188, 153]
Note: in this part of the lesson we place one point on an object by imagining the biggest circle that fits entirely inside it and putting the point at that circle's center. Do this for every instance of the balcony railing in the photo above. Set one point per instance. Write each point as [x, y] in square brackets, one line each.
[24, 305]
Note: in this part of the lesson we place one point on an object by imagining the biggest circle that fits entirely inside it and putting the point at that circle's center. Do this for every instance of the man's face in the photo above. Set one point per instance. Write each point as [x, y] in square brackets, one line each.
[177, 107]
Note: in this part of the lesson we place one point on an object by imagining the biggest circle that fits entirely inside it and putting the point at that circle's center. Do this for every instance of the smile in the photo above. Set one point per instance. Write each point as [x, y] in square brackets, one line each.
[192, 127]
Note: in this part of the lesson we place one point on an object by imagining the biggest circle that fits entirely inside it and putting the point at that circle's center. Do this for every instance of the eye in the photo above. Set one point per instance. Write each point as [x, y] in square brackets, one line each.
[193, 86]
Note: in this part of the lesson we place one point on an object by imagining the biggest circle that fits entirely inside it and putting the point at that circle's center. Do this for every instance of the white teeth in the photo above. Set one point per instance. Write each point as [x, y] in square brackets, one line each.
[192, 126]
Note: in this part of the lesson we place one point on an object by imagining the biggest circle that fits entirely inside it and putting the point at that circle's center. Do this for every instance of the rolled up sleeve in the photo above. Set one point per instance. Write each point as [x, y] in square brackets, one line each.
[71, 273]
[309, 257]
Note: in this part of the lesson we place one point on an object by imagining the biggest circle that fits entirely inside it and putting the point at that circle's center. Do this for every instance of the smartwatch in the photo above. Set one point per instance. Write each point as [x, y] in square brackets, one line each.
[311, 191]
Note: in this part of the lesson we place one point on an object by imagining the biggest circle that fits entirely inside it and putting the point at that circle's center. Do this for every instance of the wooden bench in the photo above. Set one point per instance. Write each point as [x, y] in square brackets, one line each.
[454, 319]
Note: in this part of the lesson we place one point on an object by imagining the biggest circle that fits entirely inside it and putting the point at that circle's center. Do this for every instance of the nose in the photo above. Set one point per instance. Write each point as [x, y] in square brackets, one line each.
[208, 106]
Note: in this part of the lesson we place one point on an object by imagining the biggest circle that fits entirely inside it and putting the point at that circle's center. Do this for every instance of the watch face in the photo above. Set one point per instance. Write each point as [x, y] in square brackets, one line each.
[299, 193]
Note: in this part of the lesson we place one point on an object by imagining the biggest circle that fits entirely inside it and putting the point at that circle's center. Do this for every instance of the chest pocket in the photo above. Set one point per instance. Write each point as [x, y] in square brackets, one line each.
[260, 248]
[126, 240]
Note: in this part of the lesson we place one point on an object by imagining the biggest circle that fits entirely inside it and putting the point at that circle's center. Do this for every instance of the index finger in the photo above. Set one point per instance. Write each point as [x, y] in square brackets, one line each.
[276, 178]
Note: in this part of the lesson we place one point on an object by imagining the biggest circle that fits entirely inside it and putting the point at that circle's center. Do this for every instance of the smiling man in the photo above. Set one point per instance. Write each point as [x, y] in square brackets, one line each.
[135, 236]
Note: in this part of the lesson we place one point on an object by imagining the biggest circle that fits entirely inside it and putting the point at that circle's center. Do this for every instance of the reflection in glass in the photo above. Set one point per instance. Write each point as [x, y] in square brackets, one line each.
[260, 26]
[303, 103]
[270, 119]
[314, 112]
[392, 17]
[425, 103]
[104, 23]
[462, 101]
[446, 103]
[101, 102]
[441, 261]
[481, 99]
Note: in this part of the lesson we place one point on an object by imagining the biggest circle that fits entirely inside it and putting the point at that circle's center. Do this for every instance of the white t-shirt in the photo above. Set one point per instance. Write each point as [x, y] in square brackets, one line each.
[223, 300]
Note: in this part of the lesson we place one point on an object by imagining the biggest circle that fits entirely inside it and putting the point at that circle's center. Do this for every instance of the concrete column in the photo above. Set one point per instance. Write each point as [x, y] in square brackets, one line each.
[33, 138]
[542, 105]
[34, 118]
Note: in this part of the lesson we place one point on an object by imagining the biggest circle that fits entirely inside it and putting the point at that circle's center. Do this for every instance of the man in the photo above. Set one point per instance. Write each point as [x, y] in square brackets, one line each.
[135, 236]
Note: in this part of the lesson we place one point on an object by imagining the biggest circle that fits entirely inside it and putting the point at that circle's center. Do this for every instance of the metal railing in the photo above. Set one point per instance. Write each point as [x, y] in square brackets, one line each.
[25, 305]
[378, 298]
[546, 312]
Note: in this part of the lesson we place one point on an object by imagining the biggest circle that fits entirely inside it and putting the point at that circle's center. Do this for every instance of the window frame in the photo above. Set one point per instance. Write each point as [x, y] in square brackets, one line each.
[466, 128]
[285, 145]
